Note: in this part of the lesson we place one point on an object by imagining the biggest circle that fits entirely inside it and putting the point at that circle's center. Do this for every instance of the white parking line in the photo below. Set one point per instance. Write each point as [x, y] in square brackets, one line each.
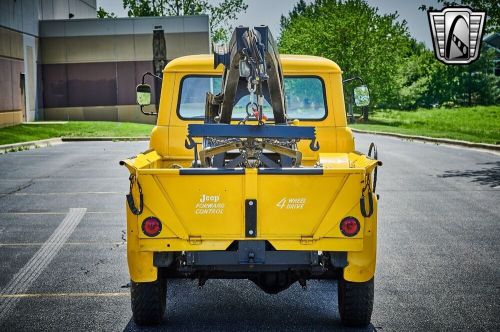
[68, 193]
[31, 271]
[58, 213]
[38, 244]
[51, 295]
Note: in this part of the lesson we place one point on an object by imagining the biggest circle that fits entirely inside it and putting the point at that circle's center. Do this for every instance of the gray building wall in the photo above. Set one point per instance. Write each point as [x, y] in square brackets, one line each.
[19, 52]
[59, 62]
[90, 67]
[61, 9]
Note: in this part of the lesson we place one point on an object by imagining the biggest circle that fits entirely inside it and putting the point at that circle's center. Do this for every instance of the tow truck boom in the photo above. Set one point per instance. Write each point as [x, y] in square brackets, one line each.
[252, 68]
[252, 62]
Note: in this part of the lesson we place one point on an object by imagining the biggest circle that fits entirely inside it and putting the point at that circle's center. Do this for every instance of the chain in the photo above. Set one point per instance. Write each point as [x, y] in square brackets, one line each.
[251, 89]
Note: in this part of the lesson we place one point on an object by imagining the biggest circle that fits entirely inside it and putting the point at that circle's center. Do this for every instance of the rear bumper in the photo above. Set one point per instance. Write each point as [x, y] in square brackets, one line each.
[252, 257]
[245, 256]
[305, 244]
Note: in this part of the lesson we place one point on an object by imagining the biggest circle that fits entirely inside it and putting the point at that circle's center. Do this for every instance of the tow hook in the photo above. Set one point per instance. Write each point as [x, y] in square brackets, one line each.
[201, 282]
[251, 257]
[302, 283]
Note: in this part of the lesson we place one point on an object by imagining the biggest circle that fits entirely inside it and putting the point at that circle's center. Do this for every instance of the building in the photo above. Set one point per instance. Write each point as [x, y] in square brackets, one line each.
[19, 52]
[59, 62]
[90, 67]
[493, 41]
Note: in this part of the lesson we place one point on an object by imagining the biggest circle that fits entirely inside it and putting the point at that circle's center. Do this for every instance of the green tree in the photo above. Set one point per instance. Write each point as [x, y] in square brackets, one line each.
[426, 82]
[476, 83]
[101, 13]
[414, 78]
[221, 14]
[492, 8]
[362, 41]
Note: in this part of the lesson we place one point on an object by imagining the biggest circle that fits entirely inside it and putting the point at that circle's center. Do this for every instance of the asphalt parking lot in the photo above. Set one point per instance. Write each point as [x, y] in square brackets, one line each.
[63, 260]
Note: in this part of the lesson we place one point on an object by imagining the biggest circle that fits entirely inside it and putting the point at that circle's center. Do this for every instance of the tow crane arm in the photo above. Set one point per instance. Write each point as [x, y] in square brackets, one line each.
[252, 63]
[252, 68]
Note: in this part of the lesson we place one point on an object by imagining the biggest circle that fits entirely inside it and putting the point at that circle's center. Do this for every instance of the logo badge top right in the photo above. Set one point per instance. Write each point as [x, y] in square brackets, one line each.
[457, 33]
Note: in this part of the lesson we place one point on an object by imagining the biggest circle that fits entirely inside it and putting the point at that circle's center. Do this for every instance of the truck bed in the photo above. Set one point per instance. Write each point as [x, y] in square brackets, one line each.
[284, 206]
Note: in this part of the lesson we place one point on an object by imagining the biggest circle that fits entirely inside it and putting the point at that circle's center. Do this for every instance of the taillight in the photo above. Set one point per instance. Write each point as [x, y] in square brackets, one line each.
[349, 226]
[151, 226]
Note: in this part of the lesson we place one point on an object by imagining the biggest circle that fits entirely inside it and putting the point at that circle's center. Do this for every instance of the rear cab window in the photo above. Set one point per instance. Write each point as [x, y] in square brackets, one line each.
[304, 96]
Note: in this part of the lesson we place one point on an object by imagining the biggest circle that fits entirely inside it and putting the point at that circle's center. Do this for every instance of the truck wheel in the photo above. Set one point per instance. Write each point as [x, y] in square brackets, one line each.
[148, 301]
[355, 302]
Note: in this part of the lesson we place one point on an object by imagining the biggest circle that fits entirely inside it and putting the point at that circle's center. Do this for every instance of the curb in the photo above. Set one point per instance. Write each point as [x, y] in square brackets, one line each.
[55, 141]
[6, 148]
[103, 139]
[59, 140]
[485, 146]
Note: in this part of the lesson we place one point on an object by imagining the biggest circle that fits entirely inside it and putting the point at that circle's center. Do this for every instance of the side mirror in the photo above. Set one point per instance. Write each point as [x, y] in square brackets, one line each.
[143, 94]
[361, 96]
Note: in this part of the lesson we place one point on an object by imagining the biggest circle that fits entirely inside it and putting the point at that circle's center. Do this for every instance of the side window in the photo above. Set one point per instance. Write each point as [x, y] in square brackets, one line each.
[193, 93]
[305, 98]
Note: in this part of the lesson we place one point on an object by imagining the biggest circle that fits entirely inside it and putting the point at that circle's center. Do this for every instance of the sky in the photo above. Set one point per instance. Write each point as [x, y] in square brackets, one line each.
[268, 12]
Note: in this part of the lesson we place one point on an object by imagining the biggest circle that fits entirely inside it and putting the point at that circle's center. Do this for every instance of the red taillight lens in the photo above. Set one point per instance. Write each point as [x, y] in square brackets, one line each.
[151, 226]
[349, 226]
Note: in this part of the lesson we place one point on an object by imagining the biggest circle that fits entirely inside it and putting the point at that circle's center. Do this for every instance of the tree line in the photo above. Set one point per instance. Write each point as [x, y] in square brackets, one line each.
[400, 72]
[221, 13]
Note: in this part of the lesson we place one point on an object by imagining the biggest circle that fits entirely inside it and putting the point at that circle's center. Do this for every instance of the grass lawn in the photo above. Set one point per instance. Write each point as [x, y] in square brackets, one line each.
[33, 132]
[473, 124]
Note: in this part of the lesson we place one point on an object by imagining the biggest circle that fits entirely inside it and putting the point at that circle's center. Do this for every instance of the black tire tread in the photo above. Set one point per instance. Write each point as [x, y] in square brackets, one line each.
[148, 301]
[355, 301]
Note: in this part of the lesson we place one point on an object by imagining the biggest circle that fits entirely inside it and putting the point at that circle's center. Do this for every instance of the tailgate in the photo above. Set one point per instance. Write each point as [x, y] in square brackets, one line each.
[218, 204]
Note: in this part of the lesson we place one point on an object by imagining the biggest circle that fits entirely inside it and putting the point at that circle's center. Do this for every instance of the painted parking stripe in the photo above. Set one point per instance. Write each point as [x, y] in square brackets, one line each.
[31, 271]
[52, 295]
[68, 193]
[57, 213]
[38, 244]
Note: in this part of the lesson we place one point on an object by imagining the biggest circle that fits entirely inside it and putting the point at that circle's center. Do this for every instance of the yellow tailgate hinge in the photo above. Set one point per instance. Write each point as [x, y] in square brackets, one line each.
[306, 240]
[195, 240]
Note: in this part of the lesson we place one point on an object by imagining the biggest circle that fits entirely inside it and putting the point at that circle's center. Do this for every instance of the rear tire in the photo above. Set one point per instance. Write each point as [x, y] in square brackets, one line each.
[148, 301]
[355, 302]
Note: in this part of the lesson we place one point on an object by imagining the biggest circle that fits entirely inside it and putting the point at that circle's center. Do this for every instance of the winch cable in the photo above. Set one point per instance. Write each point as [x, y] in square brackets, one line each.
[367, 187]
[373, 148]
[130, 197]
[373, 154]
[254, 61]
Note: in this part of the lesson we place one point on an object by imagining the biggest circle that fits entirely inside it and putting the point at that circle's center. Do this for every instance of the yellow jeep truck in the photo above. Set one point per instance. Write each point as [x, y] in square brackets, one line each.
[313, 219]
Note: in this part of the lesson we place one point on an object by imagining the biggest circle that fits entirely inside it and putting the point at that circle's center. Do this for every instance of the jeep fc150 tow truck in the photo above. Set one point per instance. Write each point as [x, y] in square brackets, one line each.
[252, 174]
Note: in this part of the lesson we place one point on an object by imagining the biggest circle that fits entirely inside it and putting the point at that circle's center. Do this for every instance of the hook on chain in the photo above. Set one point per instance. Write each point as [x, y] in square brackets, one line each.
[314, 146]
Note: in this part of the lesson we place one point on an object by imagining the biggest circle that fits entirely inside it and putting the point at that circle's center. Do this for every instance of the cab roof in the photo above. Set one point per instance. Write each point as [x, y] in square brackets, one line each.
[292, 64]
